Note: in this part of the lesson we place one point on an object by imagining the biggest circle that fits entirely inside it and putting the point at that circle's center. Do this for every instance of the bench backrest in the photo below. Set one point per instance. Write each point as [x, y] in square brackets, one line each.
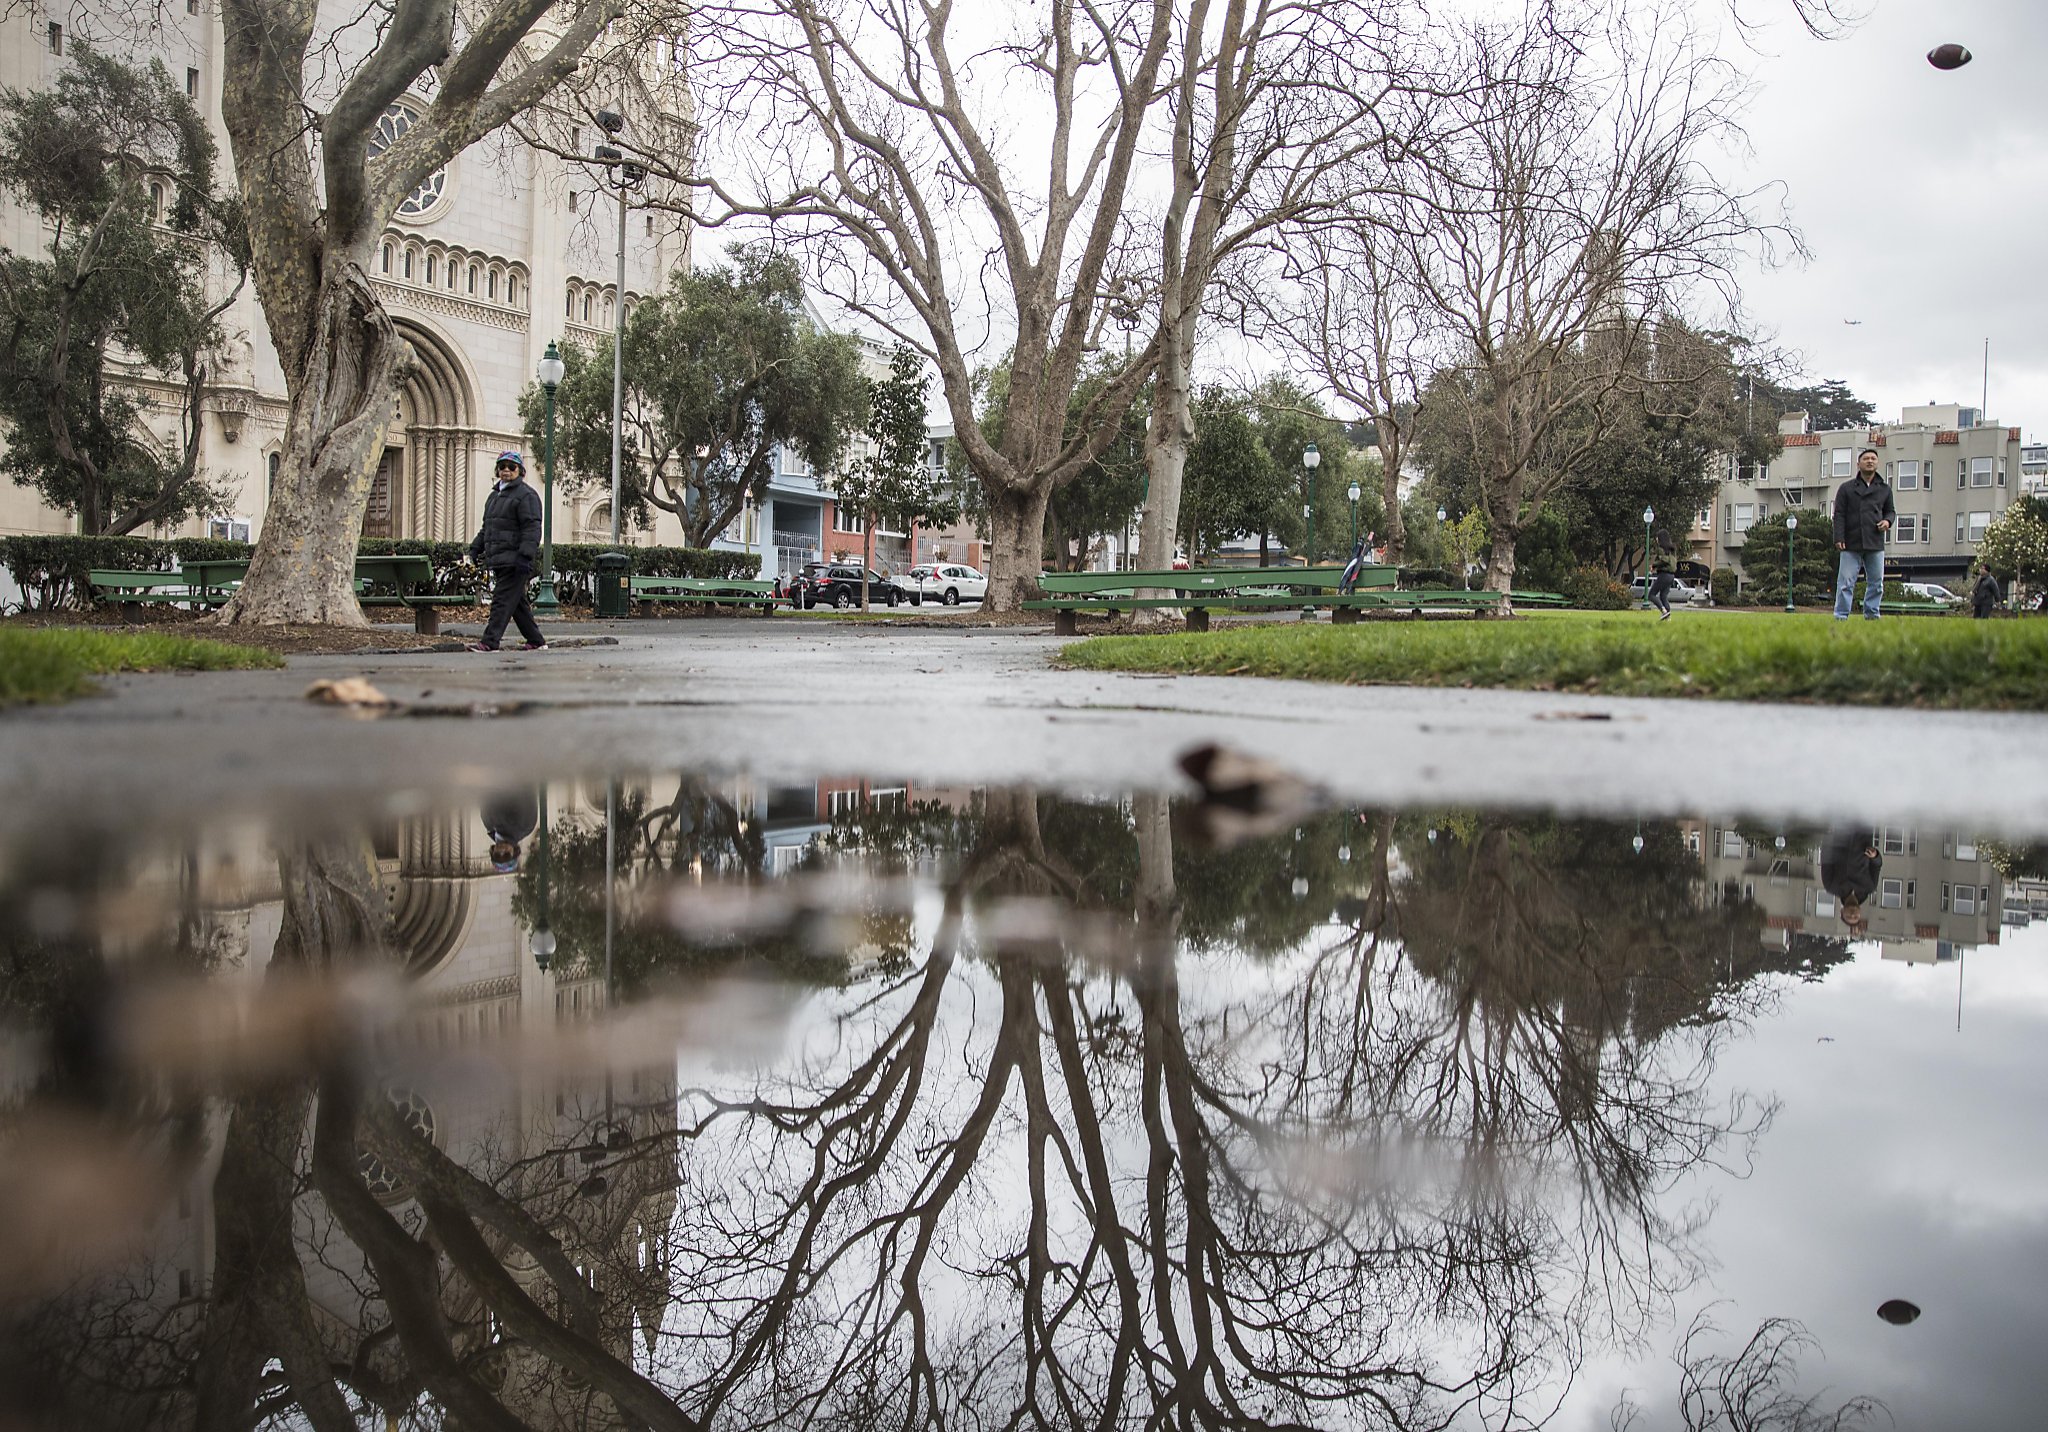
[1211, 579]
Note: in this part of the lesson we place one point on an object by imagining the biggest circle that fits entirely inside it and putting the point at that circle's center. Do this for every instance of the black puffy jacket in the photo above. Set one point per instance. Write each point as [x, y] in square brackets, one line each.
[1859, 507]
[510, 536]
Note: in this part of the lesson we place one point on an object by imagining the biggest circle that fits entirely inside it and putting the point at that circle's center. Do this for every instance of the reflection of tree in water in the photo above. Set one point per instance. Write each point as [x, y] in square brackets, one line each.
[1313, 1187]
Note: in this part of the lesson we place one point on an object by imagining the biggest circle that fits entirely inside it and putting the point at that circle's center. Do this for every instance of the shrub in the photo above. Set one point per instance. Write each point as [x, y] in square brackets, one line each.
[1594, 590]
[1412, 578]
[52, 571]
[1726, 588]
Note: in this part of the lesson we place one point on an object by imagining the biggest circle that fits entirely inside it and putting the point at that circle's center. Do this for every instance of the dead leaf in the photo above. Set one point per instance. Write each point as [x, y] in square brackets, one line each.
[348, 691]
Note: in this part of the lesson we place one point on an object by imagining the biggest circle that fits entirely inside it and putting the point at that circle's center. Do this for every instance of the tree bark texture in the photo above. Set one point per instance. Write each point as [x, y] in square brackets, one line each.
[1016, 520]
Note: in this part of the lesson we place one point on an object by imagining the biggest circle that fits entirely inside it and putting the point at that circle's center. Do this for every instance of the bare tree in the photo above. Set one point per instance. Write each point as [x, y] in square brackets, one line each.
[302, 105]
[915, 182]
[1571, 209]
[1272, 105]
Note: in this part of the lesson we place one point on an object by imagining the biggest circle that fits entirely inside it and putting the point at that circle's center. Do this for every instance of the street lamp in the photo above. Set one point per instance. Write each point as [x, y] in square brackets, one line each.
[1649, 516]
[1791, 526]
[1310, 457]
[627, 174]
[1354, 515]
[549, 371]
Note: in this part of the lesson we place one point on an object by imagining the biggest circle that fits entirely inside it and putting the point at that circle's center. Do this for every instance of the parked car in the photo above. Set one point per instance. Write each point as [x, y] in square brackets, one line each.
[837, 584]
[946, 582]
[1681, 591]
[1932, 592]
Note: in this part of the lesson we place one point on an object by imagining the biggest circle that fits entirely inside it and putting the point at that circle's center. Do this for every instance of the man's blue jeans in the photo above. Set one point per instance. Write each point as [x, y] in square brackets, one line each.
[1871, 565]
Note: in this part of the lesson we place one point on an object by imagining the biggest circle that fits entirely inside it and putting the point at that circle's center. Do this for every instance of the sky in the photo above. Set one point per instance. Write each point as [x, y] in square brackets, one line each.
[1923, 196]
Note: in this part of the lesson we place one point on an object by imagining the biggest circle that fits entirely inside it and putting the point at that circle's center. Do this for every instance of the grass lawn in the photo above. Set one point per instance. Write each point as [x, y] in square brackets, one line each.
[1732, 656]
[56, 663]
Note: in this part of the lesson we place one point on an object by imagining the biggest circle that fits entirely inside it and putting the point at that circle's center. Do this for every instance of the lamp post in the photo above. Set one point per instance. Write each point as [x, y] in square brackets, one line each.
[1310, 457]
[1649, 516]
[625, 174]
[1443, 517]
[549, 371]
[1791, 526]
[1353, 492]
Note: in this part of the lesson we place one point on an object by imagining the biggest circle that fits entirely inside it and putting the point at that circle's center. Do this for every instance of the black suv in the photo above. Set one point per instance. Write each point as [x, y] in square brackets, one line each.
[837, 584]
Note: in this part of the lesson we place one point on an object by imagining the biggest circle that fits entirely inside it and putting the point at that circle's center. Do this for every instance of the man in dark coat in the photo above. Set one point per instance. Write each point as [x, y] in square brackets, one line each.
[507, 546]
[1863, 515]
[1849, 869]
[1983, 596]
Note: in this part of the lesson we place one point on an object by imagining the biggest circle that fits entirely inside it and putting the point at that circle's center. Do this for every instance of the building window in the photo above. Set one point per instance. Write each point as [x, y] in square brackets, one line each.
[512, 290]
[1794, 496]
[491, 284]
[844, 521]
[1965, 900]
[1970, 526]
[1841, 462]
[430, 268]
[406, 272]
[1898, 842]
[1980, 471]
[1906, 531]
[384, 259]
[1742, 516]
[191, 83]
[275, 463]
[1892, 895]
[569, 306]
[650, 225]
[572, 201]
[472, 279]
[586, 307]
[1966, 849]
[156, 201]
[191, 7]
[56, 38]
[1908, 478]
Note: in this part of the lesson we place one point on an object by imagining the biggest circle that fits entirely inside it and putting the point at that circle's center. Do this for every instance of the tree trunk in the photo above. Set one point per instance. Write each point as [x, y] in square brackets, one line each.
[341, 388]
[1016, 546]
[1168, 431]
[1500, 568]
[1390, 497]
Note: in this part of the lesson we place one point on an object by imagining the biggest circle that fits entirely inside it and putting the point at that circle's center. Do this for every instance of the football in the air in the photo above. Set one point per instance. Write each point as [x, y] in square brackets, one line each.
[1948, 57]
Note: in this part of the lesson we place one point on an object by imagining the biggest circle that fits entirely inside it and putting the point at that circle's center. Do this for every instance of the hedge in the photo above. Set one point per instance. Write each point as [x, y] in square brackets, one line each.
[52, 571]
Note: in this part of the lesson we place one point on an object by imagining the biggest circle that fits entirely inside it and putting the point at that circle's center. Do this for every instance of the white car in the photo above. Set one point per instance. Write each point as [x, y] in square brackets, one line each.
[946, 582]
[1933, 592]
[1681, 591]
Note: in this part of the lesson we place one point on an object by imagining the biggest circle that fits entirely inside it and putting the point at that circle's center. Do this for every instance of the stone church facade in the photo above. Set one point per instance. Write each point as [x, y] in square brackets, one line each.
[506, 249]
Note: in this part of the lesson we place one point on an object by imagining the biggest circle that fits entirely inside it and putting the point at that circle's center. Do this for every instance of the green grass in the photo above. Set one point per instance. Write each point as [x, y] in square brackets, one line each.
[57, 663]
[1914, 661]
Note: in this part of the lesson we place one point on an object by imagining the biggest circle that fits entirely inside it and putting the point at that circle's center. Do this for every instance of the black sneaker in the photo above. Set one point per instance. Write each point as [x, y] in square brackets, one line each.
[479, 646]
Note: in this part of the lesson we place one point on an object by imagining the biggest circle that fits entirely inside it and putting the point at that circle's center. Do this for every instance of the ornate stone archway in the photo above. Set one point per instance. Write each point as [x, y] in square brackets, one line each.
[423, 486]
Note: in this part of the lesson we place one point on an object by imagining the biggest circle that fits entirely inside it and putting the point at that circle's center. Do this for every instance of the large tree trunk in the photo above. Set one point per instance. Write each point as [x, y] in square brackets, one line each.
[341, 388]
[1390, 494]
[1016, 545]
[1168, 430]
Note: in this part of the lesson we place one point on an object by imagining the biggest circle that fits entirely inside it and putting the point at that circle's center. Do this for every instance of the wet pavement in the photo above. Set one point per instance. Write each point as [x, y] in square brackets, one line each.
[748, 1029]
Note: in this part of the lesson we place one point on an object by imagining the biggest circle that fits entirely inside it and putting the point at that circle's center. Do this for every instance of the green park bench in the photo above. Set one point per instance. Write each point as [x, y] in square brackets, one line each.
[138, 588]
[1250, 589]
[411, 575]
[721, 591]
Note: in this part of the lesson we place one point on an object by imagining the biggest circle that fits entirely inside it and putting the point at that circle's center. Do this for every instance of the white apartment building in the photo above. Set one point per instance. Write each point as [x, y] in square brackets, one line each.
[1951, 472]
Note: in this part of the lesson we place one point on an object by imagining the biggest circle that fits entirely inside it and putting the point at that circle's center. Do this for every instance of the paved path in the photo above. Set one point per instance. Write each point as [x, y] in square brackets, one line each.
[799, 699]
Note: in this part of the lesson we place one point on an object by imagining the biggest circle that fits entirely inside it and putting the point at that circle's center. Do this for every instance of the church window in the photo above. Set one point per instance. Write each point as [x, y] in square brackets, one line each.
[491, 284]
[430, 268]
[397, 118]
[384, 259]
[569, 307]
[586, 308]
[191, 83]
[408, 265]
[472, 278]
[512, 290]
[56, 38]
[156, 201]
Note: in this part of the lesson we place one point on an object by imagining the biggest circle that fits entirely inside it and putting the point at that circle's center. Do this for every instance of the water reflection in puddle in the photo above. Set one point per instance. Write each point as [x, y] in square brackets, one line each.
[677, 1101]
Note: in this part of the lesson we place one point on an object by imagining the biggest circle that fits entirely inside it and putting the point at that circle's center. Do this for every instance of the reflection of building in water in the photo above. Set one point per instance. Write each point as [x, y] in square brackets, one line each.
[591, 1155]
[1935, 889]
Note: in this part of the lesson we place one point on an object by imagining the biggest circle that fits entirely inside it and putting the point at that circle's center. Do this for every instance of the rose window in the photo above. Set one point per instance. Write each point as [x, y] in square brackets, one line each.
[391, 125]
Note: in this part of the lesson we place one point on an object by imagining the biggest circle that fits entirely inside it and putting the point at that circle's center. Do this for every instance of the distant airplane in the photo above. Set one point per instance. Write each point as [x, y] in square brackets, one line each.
[1853, 322]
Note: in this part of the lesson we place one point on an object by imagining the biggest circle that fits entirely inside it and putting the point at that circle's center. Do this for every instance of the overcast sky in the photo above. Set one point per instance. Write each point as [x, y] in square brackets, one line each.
[1922, 195]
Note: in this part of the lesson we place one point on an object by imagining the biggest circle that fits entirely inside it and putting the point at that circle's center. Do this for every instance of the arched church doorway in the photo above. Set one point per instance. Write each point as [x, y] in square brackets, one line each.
[423, 487]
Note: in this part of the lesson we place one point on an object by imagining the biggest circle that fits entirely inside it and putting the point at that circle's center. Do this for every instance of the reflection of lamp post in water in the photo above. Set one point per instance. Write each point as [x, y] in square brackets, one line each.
[542, 944]
[1791, 526]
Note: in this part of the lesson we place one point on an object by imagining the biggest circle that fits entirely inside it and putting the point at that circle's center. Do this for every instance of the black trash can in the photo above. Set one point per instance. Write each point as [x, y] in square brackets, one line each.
[614, 584]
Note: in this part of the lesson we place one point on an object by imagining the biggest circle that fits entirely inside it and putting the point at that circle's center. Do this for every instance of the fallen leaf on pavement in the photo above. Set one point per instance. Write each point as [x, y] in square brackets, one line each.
[348, 691]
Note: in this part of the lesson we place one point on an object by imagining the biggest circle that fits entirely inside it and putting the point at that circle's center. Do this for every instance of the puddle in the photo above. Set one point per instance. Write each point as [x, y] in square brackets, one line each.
[681, 1100]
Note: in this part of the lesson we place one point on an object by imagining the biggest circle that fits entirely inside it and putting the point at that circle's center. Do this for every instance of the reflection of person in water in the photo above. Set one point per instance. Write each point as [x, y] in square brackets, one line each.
[1849, 867]
[509, 817]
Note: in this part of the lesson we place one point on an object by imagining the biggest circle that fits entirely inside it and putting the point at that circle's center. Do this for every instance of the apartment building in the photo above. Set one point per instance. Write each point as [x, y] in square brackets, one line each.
[1951, 472]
